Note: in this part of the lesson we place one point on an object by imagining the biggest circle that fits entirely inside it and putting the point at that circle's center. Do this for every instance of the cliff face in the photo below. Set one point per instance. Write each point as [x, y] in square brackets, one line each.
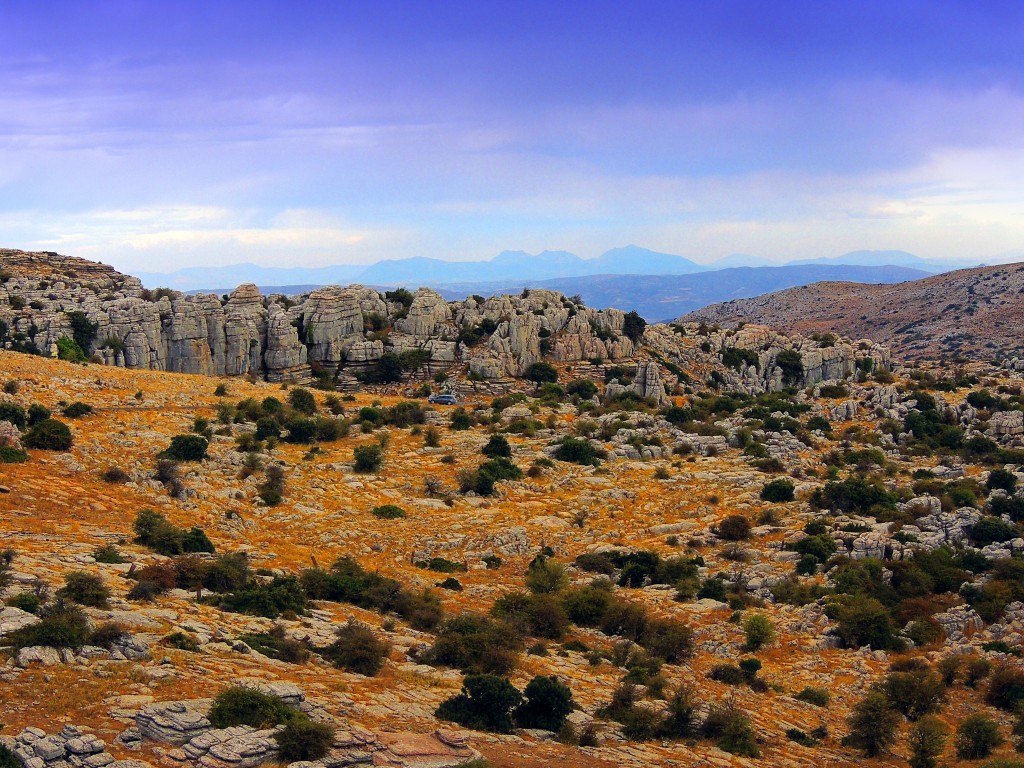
[346, 330]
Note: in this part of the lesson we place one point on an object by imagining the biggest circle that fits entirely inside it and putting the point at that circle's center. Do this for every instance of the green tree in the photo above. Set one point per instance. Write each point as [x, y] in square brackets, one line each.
[759, 631]
[485, 704]
[873, 724]
[926, 741]
[547, 703]
[976, 737]
[633, 326]
[542, 373]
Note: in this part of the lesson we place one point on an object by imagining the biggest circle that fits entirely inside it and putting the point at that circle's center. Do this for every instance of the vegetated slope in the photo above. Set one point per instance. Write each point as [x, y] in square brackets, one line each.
[973, 313]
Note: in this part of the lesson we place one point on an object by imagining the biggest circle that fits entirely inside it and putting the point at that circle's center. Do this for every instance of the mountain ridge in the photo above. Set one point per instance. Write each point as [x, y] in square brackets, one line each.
[973, 313]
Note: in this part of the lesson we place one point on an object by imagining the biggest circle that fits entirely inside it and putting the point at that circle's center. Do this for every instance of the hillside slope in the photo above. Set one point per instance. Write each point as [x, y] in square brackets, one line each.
[973, 313]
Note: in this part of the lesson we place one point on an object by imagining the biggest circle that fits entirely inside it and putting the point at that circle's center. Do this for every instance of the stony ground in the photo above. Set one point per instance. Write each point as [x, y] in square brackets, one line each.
[55, 510]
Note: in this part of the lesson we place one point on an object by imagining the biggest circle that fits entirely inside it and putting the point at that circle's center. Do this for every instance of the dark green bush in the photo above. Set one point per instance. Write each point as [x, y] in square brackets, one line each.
[189, 447]
[368, 458]
[485, 704]
[303, 740]
[976, 737]
[9, 455]
[547, 703]
[388, 512]
[85, 589]
[239, 705]
[49, 435]
[76, 410]
[475, 644]
[778, 490]
[576, 451]
[61, 626]
[357, 649]
[12, 412]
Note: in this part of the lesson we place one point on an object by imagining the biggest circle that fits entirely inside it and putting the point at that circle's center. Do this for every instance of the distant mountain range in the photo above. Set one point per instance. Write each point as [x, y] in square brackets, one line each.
[514, 266]
[658, 297]
[971, 313]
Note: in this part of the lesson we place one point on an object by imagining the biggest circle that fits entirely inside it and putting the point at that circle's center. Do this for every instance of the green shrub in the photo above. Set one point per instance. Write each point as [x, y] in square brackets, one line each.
[302, 400]
[819, 697]
[576, 451]
[388, 512]
[734, 528]
[239, 705]
[976, 737]
[182, 641]
[61, 626]
[865, 621]
[485, 703]
[8, 758]
[85, 589]
[873, 724]
[759, 632]
[301, 430]
[189, 447]
[9, 455]
[13, 412]
[29, 602]
[1005, 687]
[302, 740]
[475, 644]
[357, 649]
[270, 600]
[368, 458]
[49, 435]
[778, 490]
[76, 410]
[497, 446]
[547, 703]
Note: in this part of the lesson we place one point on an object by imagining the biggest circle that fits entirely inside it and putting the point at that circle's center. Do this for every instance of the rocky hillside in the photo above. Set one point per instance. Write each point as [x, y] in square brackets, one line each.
[972, 313]
[338, 334]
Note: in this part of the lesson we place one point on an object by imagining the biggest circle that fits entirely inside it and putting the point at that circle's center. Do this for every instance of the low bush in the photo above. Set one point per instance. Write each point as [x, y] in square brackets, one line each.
[48, 435]
[357, 649]
[240, 705]
[76, 410]
[368, 458]
[189, 447]
[976, 737]
[85, 589]
[485, 704]
[388, 512]
[61, 626]
[304, 740]
[778, 490]
[819, 697]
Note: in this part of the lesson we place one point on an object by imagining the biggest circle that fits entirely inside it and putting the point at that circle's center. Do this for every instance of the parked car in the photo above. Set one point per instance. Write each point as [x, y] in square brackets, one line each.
[444, 399]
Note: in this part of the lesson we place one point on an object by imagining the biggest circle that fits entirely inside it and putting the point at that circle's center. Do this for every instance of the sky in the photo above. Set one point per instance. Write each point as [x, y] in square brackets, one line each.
[157, 135]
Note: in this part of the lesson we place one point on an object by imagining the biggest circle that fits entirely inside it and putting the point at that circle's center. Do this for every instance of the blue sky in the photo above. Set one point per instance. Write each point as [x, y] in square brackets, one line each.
[156, 135]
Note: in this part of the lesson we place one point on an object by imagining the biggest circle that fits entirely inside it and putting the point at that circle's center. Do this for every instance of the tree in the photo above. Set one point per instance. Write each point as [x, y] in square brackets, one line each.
[976, 737]
[927, 740]
[302, 400]
[545, 576]
[1001, 478]
[873, 724]
[791, 364]
[497, 446]
[633, 326]
[734, 528]
[368, 458]
[865, 621]
[357, 649]
[548, 702]
[542, 373]
[485, 703]
[759, 631]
